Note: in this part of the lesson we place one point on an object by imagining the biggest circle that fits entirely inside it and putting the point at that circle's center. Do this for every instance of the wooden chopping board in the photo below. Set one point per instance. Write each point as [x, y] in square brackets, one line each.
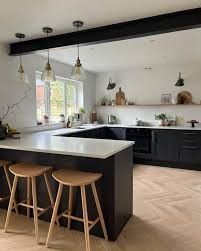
[120, 97]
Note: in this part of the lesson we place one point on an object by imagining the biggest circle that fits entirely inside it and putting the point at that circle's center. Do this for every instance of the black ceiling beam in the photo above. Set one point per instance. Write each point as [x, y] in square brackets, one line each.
[170, 22]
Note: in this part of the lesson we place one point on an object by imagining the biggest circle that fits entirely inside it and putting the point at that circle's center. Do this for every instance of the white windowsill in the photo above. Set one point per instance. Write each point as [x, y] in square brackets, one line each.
[43, 127]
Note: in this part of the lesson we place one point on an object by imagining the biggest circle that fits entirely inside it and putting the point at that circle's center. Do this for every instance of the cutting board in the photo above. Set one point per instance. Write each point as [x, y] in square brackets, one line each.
[120, 97]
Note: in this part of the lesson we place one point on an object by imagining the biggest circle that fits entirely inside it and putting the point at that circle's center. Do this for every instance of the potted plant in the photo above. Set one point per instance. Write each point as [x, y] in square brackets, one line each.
[162, 117]
[62, 118]
[46, 119]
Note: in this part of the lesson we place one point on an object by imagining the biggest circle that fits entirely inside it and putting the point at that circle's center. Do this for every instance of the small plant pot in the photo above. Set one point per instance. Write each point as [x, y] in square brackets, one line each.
[46, 121]
[161, 122]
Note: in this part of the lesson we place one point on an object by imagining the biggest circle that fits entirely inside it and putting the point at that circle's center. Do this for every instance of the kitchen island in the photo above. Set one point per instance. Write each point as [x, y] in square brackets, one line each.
[114, 159]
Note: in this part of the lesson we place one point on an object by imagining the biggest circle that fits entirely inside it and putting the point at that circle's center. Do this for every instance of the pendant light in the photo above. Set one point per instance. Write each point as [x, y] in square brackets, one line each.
[180, 81]
[21, 75]
[48, 73]
[78, 72]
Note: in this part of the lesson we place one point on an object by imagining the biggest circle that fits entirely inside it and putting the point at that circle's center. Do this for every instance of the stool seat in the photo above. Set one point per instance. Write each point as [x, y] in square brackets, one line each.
[75, 178]
[4, 163]
[28, 170]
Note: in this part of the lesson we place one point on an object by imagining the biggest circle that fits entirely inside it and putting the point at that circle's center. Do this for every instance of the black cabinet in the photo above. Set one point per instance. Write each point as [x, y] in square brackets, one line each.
[187, 147]
[161, 145]
[115, 133]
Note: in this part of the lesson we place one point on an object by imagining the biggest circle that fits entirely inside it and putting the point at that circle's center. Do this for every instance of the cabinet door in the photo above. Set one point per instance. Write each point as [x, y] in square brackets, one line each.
[161, 145]
[116, 133]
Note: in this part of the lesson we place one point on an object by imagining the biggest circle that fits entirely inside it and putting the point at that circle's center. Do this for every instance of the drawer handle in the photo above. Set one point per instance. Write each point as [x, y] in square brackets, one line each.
[190, 147]
[190, 133]
[191, 141]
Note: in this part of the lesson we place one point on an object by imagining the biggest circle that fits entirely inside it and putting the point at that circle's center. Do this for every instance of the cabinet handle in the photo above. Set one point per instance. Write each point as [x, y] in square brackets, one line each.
[190, 133]
[190, 141]
[190, 147]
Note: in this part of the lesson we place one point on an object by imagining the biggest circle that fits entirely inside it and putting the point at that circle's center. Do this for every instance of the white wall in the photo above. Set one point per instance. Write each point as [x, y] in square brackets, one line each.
[145, 87]
[11, 91]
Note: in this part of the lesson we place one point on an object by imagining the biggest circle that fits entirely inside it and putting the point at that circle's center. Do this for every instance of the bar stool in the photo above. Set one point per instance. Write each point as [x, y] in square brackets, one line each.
[30, 172]
[72, 179]
[5, 165]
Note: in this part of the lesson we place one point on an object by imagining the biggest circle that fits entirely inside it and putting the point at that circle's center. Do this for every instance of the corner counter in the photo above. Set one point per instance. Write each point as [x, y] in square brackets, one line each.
[114, 159]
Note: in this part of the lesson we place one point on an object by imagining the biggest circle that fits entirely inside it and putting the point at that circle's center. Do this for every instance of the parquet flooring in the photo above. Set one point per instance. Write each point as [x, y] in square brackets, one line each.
[167, 208]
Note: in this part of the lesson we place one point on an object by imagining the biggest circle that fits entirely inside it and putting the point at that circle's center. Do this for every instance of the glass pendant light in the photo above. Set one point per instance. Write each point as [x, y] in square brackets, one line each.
[21, 75]
[78, 72]
[48, 74]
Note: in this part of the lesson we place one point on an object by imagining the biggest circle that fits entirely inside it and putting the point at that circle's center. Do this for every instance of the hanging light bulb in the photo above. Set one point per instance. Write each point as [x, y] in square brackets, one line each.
[78, 72]
[21, 75]
[48, 73]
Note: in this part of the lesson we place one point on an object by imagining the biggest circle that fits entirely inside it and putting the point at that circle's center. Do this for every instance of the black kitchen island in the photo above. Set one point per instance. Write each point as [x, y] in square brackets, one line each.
[114, 159]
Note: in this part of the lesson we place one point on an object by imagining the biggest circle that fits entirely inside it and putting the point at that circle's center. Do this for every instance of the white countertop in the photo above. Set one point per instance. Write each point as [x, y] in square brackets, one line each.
[50, 142]
[157, 127]
[47, 142]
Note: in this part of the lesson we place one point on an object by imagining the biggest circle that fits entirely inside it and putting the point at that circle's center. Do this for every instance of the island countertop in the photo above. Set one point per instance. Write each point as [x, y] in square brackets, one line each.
[50, 142]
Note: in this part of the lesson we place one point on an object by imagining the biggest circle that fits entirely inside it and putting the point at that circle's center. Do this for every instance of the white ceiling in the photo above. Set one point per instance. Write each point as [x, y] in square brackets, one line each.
[29, 16]
[174, 48]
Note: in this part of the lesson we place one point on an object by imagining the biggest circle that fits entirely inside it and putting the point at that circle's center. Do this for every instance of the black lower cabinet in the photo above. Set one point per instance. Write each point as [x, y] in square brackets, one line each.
[169, 147]
[187, 147]
[115, 133]
[161, 145]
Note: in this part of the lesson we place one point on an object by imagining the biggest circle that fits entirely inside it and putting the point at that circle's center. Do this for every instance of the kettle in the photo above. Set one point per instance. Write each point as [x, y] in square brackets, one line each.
[111, 119]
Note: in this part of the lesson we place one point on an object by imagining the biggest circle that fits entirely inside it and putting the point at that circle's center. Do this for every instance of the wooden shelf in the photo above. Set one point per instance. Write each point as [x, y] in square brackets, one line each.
[133, 106]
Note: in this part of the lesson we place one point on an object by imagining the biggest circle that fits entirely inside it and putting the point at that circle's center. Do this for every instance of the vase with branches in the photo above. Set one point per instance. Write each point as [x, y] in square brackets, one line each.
[11, 107]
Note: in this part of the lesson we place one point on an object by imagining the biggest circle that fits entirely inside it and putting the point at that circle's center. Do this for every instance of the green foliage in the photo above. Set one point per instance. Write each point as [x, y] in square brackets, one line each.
[161, 116]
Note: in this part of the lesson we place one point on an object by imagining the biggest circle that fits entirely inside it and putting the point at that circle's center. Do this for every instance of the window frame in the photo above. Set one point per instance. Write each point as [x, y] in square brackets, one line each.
[47, 90]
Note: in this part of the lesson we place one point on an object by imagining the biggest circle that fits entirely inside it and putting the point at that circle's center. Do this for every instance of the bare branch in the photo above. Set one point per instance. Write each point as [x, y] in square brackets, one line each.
[15, 105]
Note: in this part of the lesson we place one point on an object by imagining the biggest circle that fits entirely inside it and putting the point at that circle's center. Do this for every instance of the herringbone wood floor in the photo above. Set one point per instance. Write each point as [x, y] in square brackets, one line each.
[167, 208]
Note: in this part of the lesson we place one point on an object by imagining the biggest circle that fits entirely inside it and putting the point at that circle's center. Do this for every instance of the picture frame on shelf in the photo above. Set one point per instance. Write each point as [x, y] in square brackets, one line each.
[166, 99]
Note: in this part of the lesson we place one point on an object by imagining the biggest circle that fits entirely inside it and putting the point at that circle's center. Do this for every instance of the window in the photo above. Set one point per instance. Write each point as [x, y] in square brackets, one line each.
[59, 97]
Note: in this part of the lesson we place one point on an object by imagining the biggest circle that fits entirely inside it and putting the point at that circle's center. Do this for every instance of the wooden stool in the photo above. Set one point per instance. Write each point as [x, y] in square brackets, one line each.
[5, 164]
[30, 172]
[75, 178]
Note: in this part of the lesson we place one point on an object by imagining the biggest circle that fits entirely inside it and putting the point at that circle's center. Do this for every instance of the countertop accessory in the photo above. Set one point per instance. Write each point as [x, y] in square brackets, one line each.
[193, 122]
[184, 97]
[120, 97]
[21, 75]
[112, 119]
[48, 73]
[162, 119]
[15, 135]
[111, 84]
[78, 72]
[180, 81]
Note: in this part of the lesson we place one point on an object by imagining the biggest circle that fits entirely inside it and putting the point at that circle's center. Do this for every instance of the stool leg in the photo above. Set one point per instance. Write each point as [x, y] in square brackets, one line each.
[54, 215]
[85, 218]
[35, 211]
[12, 198]
[70, 205]
[10, 187]
[98, 206]
[28, 195]
[50, 193]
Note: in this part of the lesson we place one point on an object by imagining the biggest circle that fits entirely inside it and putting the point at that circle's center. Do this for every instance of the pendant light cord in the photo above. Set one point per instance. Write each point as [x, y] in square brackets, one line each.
[78, 45]
[20, 53]
[48, 51]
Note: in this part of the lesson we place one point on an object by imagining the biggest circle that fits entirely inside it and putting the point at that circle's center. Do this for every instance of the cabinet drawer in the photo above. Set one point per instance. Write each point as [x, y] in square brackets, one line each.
[191, 136]
[190, 155]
